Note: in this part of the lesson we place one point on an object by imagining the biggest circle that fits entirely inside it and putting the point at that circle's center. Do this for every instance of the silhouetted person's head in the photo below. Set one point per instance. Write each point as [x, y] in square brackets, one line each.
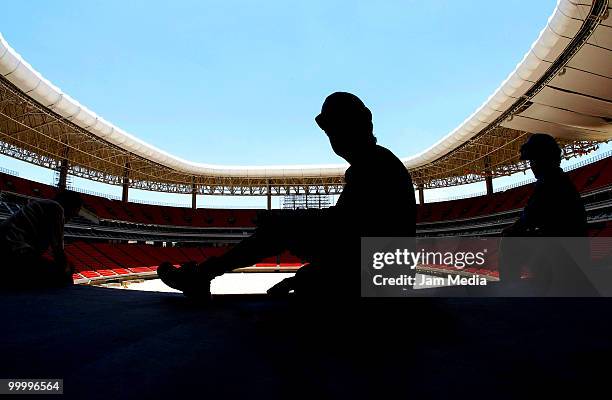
[543, 154]
[71, 202]
[348, 125]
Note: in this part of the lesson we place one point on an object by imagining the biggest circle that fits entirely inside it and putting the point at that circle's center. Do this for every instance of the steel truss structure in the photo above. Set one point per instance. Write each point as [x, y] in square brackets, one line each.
[33, 133]
[495, 150]
[36, 134]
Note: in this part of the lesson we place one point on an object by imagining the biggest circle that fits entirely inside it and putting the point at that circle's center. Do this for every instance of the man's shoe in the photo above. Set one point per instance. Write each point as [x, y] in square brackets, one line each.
[188, 278]
[172, 276]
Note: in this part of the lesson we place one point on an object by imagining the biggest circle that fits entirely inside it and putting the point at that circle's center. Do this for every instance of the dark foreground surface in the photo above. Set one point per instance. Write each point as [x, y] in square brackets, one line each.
[108, 343]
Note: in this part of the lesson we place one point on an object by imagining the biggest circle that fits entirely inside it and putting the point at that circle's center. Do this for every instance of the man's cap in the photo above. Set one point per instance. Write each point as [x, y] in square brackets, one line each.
[342, 106]
[540, 146]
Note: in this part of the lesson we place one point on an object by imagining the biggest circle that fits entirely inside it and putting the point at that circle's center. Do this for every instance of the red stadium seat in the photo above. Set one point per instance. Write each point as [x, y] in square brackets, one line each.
[90, 274]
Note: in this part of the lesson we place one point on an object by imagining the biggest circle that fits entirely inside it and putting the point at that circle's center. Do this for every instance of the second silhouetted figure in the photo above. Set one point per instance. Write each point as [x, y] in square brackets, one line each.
[533, 243]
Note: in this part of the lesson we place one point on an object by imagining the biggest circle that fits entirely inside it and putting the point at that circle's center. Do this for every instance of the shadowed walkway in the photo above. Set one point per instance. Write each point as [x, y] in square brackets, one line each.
[108, 343]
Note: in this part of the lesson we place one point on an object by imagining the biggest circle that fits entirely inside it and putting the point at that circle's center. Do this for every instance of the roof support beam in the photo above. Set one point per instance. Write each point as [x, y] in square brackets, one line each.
[194, 193]
[126, 183]
[63, 174]
[269, 195]
[421, 191]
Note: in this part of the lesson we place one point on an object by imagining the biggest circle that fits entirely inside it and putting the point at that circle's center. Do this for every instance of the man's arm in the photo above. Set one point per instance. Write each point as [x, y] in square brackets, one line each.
[57, 238]
[276, 231]
[526, 222]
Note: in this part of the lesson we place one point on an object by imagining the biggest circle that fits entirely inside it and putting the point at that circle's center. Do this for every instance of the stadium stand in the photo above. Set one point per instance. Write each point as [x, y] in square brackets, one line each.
[587, 179]
[106, 260]
[105, 251]
[115, 210]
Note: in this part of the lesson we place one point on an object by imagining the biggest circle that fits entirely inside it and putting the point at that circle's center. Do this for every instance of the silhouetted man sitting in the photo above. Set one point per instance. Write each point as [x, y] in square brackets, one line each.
[555, 209]
[26, 235]
[377, 200]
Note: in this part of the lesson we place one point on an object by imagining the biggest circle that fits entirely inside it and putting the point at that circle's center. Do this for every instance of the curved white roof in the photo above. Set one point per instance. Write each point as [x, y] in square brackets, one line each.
[562, 25]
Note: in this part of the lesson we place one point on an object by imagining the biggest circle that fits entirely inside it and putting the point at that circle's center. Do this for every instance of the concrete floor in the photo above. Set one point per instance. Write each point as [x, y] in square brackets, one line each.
[234, 283]
[108, 343]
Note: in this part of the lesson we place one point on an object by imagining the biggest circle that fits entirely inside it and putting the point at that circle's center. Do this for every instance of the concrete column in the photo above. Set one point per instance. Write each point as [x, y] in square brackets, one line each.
[194, 194]
[421, 194]
[269, 195]
[126, 183]
[63, 174]
[488, 175]
[489, 183]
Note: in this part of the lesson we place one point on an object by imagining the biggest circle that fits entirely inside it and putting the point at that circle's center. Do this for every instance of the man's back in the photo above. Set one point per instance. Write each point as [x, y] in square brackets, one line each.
[377, 200]
[33, 228]
[378, 197]
[555, 208]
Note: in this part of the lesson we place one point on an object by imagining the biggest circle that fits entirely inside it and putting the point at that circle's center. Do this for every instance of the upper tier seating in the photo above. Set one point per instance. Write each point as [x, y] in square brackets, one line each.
[587, 179]
[105, 260]
[138, 213]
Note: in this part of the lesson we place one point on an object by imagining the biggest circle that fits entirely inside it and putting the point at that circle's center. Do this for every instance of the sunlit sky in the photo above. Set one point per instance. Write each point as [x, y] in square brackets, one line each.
[239, 82]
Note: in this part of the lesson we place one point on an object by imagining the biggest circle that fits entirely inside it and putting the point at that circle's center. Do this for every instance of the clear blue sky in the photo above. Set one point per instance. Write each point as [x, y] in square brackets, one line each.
[239, 82]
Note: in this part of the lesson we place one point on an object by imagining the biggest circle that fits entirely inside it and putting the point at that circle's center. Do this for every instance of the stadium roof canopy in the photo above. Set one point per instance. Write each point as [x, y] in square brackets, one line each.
[562, 86]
